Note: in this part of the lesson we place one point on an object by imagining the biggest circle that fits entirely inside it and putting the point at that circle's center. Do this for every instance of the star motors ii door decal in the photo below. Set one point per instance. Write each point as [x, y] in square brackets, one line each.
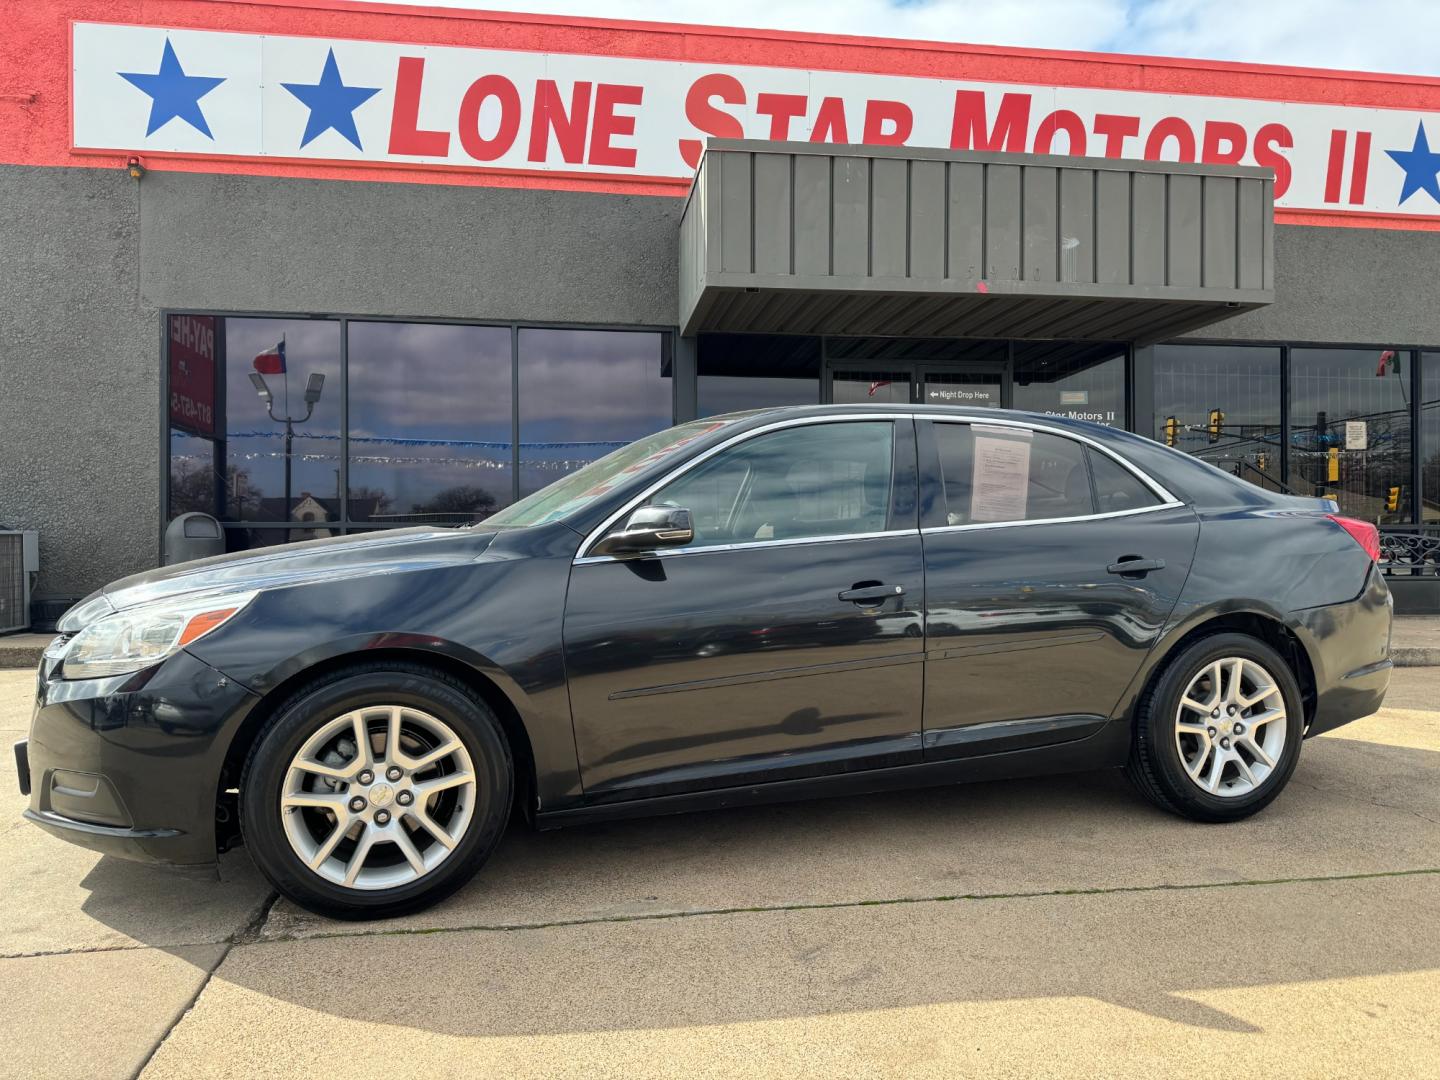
[201, 93]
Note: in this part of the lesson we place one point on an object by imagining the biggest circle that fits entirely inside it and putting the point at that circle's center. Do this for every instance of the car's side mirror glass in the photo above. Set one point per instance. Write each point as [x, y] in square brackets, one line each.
[647, 528]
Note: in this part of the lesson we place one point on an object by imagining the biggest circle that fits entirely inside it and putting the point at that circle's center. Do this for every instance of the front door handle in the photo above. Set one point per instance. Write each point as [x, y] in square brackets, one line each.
[872, 594]
[1136, 565]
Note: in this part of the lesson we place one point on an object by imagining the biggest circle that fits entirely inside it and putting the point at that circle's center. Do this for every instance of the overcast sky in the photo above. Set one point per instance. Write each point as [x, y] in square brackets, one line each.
[1401, 36]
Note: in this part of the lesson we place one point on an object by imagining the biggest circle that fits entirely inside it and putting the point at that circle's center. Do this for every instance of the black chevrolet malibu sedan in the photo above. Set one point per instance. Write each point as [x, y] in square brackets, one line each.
[757, 606]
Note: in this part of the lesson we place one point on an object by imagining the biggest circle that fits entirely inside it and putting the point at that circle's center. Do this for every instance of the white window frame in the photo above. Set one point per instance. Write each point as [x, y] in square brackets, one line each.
[1167, 500]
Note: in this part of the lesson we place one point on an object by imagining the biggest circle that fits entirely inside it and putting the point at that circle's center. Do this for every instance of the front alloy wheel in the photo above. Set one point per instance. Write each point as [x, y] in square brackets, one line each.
[376, 791]
[378, 797]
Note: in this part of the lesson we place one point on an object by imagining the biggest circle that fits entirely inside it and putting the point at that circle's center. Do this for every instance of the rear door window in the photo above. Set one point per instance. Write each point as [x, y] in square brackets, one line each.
[993, 474]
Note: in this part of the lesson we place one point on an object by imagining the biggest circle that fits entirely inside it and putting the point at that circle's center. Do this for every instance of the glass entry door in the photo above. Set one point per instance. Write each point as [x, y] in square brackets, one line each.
[889, 383]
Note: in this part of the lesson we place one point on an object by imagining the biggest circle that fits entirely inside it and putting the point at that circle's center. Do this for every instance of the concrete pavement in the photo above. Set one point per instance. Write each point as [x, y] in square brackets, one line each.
[1032, 928]
[1225, 981]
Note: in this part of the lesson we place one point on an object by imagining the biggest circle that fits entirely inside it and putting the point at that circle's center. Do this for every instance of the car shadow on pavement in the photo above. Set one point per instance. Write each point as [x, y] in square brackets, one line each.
[1064, 886]
[136, 898]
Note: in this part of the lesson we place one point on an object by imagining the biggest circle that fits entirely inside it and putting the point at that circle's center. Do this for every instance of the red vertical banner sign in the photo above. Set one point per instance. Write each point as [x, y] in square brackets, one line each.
[192, 374]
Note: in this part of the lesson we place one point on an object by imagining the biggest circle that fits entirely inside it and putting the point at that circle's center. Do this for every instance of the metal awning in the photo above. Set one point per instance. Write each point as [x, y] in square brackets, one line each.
[816, 239]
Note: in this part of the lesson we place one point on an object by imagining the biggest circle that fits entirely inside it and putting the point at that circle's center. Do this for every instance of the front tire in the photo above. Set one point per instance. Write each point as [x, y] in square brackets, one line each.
[376, 791]
[1218, 734]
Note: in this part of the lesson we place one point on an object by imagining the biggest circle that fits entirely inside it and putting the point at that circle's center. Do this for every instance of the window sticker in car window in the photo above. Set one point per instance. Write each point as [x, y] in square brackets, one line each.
[1002, 473]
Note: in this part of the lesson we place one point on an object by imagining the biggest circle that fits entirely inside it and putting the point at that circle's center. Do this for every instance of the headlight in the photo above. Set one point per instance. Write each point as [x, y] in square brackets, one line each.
[130, 640]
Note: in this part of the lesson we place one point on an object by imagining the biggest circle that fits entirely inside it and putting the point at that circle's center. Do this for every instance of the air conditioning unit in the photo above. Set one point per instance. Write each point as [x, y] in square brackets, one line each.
[19, 564]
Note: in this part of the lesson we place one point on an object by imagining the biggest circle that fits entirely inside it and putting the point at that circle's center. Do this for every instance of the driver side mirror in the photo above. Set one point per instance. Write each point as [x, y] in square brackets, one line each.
[647, 528]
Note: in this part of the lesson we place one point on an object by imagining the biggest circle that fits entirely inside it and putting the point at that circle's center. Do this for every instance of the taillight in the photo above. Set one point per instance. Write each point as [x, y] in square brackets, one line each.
[1362, 532]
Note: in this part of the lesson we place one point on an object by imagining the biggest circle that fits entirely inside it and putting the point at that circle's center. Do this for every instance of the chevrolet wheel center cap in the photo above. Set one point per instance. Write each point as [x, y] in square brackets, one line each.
[381, 794]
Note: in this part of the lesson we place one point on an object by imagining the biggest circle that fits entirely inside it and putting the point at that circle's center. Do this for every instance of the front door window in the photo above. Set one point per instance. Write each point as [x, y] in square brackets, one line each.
[806, 482]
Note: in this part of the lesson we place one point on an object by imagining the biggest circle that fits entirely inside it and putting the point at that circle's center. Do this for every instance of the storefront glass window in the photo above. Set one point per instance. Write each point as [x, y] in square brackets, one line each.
[1430, 434]
[973, 352]
[1350, 429]
[932, 371]
[1222, 403]
[429, 422]
[431, 418]
[228, 452]
[756, 371]
[1078, 380]
[584, 393]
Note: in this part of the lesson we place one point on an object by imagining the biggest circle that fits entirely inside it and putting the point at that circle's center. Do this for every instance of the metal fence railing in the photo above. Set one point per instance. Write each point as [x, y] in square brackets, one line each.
[1410, 550]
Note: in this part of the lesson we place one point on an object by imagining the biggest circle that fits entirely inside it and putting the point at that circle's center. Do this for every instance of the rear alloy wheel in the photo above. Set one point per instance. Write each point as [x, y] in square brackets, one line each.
[376, 791]
[1219, 733]
[1230, 727]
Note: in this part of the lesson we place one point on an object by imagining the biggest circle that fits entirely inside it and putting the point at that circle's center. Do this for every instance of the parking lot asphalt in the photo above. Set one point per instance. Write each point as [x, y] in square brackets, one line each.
[1032, 928]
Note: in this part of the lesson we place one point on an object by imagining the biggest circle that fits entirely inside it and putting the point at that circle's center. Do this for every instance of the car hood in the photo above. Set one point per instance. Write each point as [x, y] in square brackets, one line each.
[384, 552]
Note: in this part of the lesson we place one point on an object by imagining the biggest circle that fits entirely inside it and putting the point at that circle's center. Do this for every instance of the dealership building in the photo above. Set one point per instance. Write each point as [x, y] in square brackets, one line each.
[325, 268]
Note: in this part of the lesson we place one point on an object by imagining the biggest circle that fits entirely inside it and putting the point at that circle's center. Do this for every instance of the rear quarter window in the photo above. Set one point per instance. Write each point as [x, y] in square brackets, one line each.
[1117, 488]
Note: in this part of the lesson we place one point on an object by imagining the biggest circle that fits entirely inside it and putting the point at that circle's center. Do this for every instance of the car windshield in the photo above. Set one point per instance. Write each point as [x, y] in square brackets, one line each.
[584, 486]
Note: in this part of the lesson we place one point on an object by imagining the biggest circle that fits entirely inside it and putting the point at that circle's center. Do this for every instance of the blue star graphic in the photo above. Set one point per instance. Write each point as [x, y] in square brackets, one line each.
[332, 104]
[173, 93]
[1422, 167]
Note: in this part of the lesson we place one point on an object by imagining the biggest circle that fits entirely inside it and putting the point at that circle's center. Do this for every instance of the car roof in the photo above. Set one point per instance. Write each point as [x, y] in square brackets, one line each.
[769, 414]
[1193, 480]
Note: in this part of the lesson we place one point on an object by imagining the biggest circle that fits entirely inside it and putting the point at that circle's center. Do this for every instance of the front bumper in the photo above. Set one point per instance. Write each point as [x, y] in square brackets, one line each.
[130, 766]
[1349, 649]
[22, 765]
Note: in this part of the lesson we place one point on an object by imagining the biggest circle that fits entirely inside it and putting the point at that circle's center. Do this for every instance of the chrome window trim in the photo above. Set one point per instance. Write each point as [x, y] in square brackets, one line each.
[789, 541]
[1167, 500]
[1050, 521]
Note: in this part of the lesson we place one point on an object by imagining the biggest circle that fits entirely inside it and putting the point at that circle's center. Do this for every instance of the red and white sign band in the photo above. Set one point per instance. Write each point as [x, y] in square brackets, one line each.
[251, 96]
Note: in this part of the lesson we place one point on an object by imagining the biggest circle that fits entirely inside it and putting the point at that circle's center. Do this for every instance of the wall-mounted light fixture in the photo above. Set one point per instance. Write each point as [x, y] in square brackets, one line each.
[135, 168]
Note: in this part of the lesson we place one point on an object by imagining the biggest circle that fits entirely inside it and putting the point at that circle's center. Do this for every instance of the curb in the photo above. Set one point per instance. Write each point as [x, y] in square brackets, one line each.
[24, 651]
[19, 659]
[1415, 656]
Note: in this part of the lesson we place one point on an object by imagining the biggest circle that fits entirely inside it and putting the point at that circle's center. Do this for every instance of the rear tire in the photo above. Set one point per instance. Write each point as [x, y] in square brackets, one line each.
[389, 825]
[1218, 734]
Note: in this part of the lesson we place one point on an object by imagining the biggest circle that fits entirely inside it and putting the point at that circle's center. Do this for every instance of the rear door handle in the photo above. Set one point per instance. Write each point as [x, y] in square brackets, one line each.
[1134, 564]
[872, 593]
